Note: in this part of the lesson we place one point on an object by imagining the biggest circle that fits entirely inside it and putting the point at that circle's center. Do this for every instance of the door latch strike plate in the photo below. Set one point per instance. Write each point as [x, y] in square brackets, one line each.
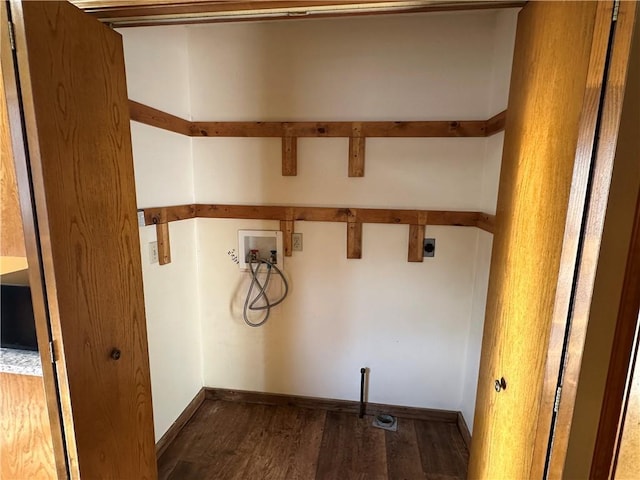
[12, 40]
[556, 404]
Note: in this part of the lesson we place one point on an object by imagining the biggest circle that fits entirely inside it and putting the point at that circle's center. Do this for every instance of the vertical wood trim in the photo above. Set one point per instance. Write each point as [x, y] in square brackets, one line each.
[609, 428]
[354, 240]
[286, 227]
[356, 151]
[289, 156]
[588, 260]
[164, 243]
[11, 232]
[36, 279]
[416, 243]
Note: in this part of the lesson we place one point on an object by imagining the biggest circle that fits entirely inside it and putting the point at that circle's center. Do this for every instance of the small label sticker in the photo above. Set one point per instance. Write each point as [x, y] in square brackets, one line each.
[141, 222]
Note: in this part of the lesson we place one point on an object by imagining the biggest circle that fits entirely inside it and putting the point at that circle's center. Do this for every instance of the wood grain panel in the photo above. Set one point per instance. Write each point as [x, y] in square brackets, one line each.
[597, 193]
[11, 233]
[25, 444]
[575, 213]
[83, 187]
[548, 83]
[620, 413]
[35, 273]
[624, 186]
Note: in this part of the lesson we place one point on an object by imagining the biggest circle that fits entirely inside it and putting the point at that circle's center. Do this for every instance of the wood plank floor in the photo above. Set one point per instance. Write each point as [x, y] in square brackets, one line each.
[230, 440]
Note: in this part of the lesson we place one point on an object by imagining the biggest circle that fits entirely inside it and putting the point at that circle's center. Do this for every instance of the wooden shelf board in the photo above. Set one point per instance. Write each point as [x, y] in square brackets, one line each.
[12, 264]
[351, 129]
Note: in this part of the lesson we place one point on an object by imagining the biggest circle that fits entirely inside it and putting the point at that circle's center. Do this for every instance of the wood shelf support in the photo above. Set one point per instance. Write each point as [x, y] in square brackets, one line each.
[164, 245]
[286, 226]
[354, 239]
[416, 240]
[356, 151]
[289, 156]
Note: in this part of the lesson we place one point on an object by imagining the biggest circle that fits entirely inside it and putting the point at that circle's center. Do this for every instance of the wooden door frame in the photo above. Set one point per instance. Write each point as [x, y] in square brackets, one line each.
[621, 362]
[32, 244]
[581, 246]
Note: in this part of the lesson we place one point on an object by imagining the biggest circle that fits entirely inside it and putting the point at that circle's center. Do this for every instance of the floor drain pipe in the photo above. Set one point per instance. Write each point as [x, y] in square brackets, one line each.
[363, 372]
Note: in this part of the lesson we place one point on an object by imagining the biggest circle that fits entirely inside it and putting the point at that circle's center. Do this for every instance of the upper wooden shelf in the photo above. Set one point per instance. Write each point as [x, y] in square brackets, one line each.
[356, 131]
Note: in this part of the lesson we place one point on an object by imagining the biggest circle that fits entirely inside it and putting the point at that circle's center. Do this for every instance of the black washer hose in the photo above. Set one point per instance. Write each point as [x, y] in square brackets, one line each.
[363, 372]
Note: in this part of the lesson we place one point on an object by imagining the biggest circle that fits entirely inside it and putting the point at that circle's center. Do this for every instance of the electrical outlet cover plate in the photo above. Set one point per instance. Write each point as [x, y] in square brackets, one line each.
[153, 252]
[296, 242]
[429, 247]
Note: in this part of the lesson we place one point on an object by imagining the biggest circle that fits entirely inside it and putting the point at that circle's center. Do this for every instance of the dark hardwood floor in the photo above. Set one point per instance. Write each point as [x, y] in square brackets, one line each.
[230, 440]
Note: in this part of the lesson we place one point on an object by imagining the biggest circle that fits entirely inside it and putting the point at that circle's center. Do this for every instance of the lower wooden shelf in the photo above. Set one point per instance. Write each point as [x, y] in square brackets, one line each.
[287, 215]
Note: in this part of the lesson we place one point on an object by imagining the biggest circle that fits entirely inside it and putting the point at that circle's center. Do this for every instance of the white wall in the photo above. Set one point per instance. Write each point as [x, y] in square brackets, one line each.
[411, 324]
[504, 39]
[157, 75]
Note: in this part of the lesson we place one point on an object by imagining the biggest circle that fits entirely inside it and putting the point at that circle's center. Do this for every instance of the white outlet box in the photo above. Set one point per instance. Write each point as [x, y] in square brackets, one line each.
[153, 252]
[262, 240]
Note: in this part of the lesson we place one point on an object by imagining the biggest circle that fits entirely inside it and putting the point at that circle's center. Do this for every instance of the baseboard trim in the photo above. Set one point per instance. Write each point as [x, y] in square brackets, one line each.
[464, 430]
[179, 424]
[348, 406]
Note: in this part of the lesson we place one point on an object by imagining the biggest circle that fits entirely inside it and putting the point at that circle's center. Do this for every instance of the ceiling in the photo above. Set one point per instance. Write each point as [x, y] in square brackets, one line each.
[124, 13]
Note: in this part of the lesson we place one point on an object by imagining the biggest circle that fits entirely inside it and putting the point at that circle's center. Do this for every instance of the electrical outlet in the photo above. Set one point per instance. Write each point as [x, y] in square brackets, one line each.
[429, 247]
[153, 252]
[296, 242]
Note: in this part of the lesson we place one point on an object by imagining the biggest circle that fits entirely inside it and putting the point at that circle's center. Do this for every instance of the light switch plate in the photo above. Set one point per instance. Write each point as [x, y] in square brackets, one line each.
[296, 242]
[141, 222]
[153, 252]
